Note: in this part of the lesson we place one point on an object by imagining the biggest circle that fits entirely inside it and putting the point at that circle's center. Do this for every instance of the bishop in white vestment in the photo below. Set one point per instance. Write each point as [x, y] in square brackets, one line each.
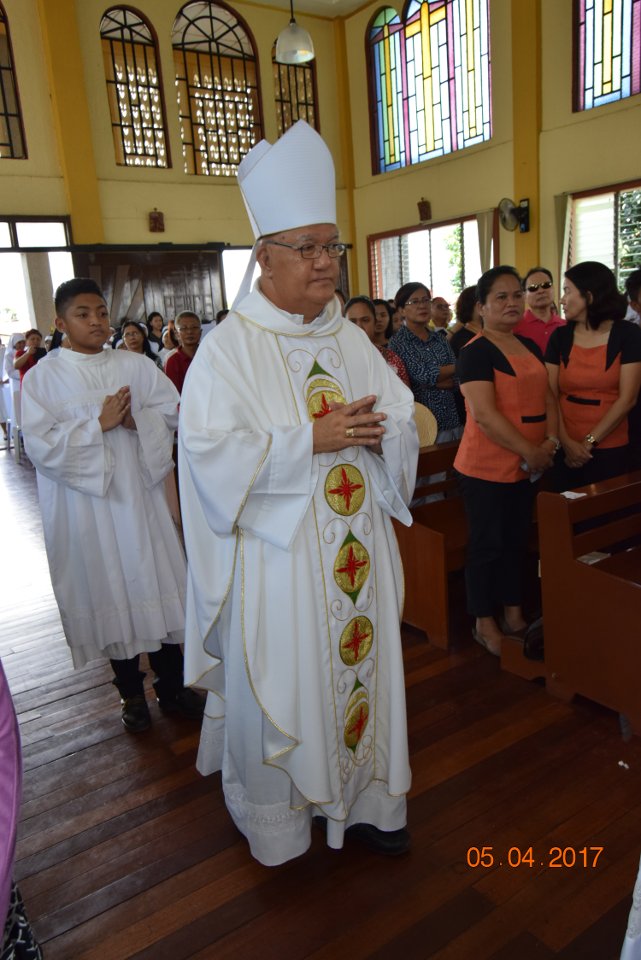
[298, 445]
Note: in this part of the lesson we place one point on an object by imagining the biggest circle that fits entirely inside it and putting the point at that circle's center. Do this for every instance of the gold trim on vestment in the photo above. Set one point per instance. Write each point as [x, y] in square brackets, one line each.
[253, 479]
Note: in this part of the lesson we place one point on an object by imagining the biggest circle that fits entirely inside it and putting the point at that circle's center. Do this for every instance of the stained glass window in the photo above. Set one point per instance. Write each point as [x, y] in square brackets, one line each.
[294, 93]
[12, 140]
[430, 80]
[134, 89]
[607, 53]
[217, 84]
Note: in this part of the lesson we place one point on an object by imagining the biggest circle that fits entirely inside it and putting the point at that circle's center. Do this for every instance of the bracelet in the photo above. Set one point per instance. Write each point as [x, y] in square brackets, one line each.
[555, 441]
[591, 439]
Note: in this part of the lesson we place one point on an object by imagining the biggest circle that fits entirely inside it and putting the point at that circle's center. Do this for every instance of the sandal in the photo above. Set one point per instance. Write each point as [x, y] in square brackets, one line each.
[483, 642]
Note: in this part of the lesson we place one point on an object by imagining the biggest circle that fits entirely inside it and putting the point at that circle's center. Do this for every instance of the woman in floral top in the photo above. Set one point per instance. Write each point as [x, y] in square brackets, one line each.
[361, 311]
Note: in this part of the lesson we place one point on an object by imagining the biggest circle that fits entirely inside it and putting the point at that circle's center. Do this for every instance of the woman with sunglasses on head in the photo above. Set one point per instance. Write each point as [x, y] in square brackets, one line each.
[540, 319]
[428, 359]
[594, 367]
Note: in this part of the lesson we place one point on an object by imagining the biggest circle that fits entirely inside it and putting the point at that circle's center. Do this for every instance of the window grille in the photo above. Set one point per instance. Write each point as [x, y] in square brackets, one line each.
[294, 93]
[12, 138]
[134, 89]
[217, 85]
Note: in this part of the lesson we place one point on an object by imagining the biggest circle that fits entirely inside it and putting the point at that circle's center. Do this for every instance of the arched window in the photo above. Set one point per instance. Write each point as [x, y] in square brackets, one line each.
[134, 89]
[217, 81]
[12, 139]
[429, 80]
[294, 93]
[607, 51]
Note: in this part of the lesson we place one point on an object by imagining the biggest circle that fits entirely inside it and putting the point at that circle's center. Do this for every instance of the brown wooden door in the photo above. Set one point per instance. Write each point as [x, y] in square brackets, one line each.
[137, 282]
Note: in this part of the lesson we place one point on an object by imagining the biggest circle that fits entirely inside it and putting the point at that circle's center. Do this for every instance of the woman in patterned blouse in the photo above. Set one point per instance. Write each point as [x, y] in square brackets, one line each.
[428, 359]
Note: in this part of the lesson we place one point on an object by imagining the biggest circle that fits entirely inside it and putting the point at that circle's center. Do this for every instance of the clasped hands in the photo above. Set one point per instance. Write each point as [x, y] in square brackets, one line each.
[349, 425]
[116, 411]
[577, 452]
[540, 458]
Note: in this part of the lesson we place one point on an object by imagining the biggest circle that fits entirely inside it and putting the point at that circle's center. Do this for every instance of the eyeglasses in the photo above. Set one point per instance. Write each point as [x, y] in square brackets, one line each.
[533, 287]
[418, 302]
[312, 251]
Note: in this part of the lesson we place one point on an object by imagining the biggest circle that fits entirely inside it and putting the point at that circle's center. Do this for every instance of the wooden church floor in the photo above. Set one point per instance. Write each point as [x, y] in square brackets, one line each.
[125, 851]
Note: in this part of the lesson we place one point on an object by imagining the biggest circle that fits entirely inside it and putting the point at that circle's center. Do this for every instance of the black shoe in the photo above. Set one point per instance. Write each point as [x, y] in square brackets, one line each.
[186, 702]
[135, 713]
[391, 843]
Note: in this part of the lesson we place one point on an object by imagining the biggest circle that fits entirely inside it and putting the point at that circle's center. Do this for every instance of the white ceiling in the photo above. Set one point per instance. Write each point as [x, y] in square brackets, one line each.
[322, 8]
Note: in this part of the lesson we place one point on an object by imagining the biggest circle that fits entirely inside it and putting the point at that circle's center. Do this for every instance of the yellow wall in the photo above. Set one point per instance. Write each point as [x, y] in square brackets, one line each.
[197, 209]
[575, 151]
[35, 185]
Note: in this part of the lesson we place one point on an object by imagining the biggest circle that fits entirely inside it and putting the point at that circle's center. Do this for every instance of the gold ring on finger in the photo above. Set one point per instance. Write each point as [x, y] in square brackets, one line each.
[350, 433]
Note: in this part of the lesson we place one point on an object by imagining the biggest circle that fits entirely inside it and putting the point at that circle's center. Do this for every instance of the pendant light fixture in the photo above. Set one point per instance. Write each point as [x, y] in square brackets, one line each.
[294, 45]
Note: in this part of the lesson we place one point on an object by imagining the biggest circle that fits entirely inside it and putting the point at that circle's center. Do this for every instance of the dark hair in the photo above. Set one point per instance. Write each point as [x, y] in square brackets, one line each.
[407, 291]
[598, 285]
[389, 329]
[633, 285]
[186, 313]
[532, 270]
[172, 336]
[70, 289]
[30, 332]
[146, 348]
[489, 278]
[365, 301]
[150, 330]
[467, 300]
[221, 314]
[56, 340]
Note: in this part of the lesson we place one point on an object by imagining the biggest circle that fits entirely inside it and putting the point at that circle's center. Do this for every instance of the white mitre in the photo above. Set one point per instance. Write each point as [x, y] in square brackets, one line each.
[287, 184]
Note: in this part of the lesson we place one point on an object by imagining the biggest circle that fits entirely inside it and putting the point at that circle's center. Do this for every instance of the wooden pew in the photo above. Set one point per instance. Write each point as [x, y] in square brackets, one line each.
[592, 612]
[433, 546]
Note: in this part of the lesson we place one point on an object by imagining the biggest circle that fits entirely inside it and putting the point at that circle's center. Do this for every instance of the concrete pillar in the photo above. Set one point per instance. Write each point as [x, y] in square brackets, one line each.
[71, 112]
[526, 93]
[39, 290]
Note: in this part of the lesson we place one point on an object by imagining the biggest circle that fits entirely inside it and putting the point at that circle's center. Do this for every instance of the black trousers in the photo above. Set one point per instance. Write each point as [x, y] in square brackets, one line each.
[167, 664]
[499, 516]
[611, 462]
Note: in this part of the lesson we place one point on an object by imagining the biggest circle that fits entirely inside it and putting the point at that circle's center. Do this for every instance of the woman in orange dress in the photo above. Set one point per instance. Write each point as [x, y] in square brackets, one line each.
[509, 439]
[594, 366]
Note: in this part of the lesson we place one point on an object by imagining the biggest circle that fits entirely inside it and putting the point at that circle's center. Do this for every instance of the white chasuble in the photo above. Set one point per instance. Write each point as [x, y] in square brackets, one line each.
[295, 581]
[117, 565]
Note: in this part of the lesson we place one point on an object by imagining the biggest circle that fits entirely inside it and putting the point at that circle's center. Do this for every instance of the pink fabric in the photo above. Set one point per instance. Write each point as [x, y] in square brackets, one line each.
[10, 787]
[537, 330]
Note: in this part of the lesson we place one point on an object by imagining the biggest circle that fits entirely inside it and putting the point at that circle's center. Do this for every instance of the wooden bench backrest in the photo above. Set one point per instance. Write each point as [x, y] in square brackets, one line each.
[435, 460]
[608, 515]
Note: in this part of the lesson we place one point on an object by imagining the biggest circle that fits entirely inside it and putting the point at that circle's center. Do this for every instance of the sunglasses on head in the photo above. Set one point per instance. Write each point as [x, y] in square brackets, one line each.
[533, 287]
